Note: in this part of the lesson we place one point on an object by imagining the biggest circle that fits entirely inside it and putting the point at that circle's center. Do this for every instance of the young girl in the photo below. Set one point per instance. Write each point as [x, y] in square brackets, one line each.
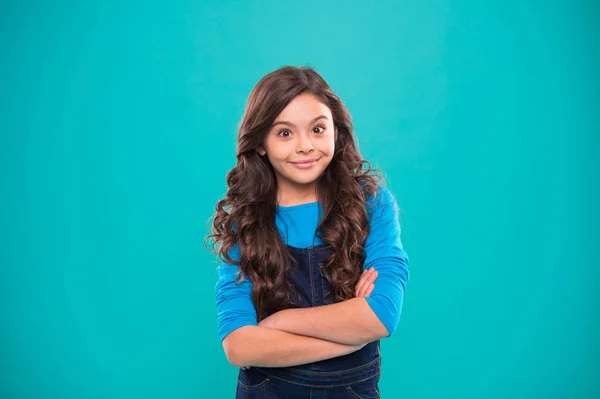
[300, 232]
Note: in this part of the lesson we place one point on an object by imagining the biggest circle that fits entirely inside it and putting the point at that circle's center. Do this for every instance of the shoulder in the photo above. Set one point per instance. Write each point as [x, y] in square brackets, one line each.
[384, 223]
[381, 203]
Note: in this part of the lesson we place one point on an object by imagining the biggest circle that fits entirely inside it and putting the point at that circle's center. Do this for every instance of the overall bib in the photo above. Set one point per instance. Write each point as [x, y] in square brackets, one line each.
[353, 376]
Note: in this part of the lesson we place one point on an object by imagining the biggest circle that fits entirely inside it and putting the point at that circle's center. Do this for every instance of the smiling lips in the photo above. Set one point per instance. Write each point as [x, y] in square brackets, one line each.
[305, 164]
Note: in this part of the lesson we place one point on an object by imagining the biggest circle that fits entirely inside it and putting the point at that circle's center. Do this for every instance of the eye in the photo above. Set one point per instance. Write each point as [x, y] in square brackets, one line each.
[282, 132]
[318, 127]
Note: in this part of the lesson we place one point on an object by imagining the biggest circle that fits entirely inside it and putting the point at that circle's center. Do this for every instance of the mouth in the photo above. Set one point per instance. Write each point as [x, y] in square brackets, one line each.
[305, 164]
[308, 161]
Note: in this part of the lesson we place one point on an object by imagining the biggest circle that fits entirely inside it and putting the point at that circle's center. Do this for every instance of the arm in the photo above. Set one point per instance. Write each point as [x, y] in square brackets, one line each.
[361, 320]
[350, 322]
[267, 347]
[245, 344]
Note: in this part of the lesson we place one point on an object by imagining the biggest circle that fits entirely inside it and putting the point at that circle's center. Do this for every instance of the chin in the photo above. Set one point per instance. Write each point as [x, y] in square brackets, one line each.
[307, 180]
[302, 181]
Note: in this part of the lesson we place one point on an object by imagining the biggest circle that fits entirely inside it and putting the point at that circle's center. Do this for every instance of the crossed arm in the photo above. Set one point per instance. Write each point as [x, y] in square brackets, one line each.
[350, 322]
[298, 336]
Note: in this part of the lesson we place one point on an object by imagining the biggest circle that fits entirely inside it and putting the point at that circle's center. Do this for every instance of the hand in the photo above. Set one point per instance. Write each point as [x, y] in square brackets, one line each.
[366, 283]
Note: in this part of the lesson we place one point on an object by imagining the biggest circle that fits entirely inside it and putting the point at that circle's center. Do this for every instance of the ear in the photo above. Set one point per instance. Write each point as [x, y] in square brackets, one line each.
[261, 150]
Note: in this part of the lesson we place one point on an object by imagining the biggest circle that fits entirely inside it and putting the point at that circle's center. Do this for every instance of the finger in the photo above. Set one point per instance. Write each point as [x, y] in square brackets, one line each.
[372, 277]
[361, 282]
[370, 290]
[363, 291]
[364, 282]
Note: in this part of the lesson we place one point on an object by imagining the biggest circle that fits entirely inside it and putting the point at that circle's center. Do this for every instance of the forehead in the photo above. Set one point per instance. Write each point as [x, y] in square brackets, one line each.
[303, 108]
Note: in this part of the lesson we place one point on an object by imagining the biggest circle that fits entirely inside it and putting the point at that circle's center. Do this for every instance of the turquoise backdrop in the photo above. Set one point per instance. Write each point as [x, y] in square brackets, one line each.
[117, 127]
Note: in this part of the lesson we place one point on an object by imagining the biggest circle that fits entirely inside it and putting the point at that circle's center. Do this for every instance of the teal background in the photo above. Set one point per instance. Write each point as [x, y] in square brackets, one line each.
[117, 127]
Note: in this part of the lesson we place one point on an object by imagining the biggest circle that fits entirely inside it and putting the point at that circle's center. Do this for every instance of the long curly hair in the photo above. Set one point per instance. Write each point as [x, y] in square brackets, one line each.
[246, 216]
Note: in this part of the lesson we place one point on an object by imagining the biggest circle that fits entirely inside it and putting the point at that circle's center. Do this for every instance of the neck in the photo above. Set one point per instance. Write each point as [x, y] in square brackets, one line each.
[297, 195]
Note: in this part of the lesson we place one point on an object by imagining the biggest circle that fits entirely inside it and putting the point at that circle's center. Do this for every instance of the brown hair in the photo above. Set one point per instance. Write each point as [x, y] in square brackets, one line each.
[246, 216]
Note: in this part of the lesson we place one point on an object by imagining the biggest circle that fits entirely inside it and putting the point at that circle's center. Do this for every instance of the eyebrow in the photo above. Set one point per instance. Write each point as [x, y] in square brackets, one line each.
[291, 124]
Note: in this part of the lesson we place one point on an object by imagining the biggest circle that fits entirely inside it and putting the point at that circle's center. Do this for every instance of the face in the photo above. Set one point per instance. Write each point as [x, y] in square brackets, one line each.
[300, 144]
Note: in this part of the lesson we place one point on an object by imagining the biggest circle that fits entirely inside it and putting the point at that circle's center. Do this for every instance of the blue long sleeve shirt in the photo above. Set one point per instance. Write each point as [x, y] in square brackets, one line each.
[297, 226]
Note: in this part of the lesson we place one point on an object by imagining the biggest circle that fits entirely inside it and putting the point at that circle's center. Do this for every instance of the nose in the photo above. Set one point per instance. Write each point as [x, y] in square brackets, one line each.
[305, 145]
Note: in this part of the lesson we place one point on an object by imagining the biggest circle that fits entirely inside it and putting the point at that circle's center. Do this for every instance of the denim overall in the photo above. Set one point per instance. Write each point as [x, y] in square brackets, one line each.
[353, 376]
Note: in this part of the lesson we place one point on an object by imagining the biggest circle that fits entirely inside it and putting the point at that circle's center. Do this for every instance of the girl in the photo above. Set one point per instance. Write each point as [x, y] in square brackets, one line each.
[300, 232]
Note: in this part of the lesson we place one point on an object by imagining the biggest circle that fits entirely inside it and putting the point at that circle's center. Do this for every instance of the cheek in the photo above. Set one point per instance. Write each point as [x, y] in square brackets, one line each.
[329, 147]
[275, 152]
[279, 154]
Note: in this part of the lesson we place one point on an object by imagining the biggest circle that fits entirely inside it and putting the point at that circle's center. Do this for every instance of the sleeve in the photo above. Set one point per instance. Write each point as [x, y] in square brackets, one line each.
[384, 251]
[235, 307]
